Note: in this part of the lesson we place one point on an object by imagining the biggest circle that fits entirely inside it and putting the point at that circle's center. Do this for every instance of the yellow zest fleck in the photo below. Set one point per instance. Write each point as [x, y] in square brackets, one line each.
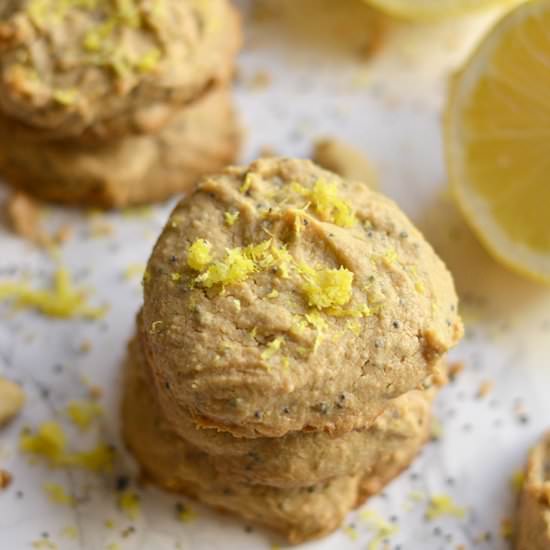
[253, 332]
[234, 268]
[354, 326]
[65, 97]
[113, 546]
[83, 413]
[70, 532]
[383, 529]
[149, 61]
[199, 255]
[351, 532]
[443, 505]
[437, 428]
[390, 257]
[133, 271]
[327, 287]
[507, 528]
[186, 514]
[273, 294]
[315, 319]
[231, 218]
[176, 277]
[419, 287]
[128, 502]
[517, 480]
[327, 202]
[44, 544]
[247, 184]
[109, 524]
[56, 493]
[50, 443]
[62, 301]
[272, 348]
[285, 362]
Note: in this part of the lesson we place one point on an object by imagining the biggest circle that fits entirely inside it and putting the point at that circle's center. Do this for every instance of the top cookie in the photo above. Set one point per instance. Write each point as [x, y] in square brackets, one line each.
[72, 66]
[280, 297]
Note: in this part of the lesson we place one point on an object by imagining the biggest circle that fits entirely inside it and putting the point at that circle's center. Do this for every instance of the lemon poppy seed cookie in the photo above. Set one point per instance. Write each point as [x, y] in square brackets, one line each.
[534, 506]
[96, 68]
[298, 458]
[300, 513]
[133, 170]
[281, 298]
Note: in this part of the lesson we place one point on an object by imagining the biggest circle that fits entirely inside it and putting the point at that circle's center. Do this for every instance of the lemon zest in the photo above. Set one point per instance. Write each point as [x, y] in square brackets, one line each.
[231, 218]
[327, 202]
[443, 505]
[129, 503]
[50, 442]
[56, 493]
[327, 287]
[199, 255]
[383, 529]
[62, 301]
[272, 348]
[83, 413]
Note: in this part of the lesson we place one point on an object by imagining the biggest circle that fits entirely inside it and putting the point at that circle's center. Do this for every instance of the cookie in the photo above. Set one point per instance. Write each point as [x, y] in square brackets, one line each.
[301, 458]
[534, 507]
[281, 297]
[72, 69]
[299, 513]
[134, 170]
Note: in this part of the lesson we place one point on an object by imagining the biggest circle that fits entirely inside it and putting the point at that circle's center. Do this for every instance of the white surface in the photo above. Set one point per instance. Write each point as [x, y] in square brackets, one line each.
[390, 109]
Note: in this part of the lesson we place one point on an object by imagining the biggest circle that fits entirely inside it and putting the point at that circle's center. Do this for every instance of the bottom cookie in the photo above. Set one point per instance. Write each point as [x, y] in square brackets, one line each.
[300, 513]
[534, 507]
[134, 170]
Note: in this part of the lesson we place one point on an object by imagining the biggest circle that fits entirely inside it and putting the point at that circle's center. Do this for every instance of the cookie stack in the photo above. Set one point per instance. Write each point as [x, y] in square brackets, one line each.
[111, 104]
[289, 346]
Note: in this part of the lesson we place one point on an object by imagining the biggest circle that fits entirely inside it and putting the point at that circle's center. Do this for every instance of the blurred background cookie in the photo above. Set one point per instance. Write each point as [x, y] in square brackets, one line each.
[136, 169]
[96, 69]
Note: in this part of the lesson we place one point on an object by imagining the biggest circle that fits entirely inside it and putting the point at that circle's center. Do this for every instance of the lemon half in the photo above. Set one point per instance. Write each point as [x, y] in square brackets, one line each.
[435, 9]
[497, 134]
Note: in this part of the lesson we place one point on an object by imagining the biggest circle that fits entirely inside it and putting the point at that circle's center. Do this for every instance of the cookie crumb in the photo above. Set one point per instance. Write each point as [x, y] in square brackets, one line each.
[24, 217]
[345, 160]
[5, 479]
[455, 369]
[485, 388]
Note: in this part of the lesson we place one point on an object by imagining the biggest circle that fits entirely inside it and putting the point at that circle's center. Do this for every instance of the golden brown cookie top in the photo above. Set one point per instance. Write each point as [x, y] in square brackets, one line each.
[281, 297]
[65, 64]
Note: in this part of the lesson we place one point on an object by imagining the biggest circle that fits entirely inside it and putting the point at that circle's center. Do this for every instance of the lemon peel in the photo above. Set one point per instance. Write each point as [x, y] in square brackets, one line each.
[62, 301]
[230, 218]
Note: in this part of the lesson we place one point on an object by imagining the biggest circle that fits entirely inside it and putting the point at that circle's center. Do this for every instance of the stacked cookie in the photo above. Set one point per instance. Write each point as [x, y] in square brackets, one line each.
[291, 338]
[115, 103]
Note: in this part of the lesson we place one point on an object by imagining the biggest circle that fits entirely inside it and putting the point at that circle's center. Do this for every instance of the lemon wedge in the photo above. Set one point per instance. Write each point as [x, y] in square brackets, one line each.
[497, 134]
[435, 9]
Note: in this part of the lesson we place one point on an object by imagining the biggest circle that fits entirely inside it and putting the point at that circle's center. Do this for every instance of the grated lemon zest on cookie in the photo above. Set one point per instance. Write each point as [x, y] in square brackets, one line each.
[199, 255]
[326, 288]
